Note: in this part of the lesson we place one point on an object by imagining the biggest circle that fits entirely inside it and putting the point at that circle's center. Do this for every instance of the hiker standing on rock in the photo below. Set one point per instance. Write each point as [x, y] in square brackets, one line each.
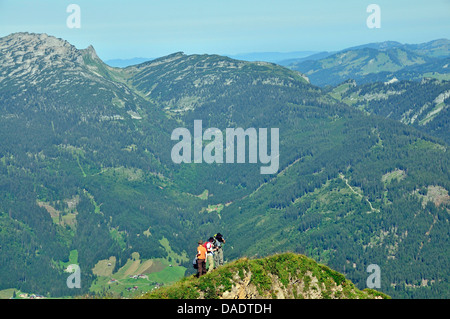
[201, 259]
[218, 250]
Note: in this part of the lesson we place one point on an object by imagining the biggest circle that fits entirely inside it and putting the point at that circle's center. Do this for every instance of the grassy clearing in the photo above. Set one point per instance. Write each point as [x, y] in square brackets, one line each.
[173, 257]
[427, 145]
[436, 194]
[8, 293]
[73, 259]
[137, 276]
[105, 267]
[397, 174]
[215, 208]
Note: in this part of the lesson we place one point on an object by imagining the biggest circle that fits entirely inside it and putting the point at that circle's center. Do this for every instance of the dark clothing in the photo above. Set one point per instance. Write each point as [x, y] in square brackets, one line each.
[218, 254]
[201, 267]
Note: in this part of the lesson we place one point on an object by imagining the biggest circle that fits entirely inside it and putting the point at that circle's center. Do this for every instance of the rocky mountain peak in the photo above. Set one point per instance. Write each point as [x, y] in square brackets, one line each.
[26, 48]
[90, 53]
[32, 57]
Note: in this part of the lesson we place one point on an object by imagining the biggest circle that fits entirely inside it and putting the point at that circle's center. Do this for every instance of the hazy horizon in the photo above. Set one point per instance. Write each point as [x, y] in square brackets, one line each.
[150, 29]
[264, 52]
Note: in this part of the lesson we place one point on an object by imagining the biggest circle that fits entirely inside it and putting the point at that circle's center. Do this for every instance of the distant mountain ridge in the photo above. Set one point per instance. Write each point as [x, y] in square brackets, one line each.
[273, 57]
[436, 48]
[122, 63]
[383, 60]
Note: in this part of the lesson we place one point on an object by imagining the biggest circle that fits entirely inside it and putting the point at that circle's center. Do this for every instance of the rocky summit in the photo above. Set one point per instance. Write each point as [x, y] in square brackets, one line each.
[27, 54]
[282, 276]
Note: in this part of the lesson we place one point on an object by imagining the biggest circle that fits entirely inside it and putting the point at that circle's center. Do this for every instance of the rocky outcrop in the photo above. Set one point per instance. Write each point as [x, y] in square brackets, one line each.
[307, 288]
[283, 276]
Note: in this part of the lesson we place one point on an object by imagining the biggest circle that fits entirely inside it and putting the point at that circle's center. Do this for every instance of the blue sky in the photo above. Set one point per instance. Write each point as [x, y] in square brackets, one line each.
[147, 28]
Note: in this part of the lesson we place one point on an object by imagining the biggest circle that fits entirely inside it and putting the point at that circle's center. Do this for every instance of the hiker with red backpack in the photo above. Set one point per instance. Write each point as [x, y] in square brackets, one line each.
[209, 255]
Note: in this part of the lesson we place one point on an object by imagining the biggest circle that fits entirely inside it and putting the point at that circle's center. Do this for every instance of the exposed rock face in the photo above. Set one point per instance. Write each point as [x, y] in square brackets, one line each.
[38, 69]
[33, 52]
[307, 287]
[39, 60]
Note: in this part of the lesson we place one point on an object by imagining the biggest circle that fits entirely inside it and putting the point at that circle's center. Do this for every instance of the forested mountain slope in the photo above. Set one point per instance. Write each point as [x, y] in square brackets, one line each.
[378, 62]
[423, 105]
[85, 166]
